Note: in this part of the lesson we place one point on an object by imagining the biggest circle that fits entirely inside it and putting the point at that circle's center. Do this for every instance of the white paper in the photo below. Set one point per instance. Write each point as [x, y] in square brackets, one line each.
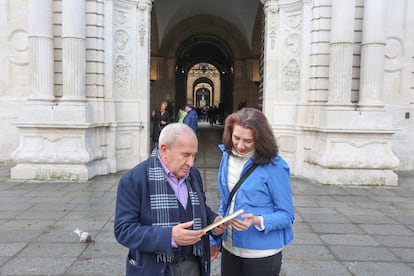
[223, 220]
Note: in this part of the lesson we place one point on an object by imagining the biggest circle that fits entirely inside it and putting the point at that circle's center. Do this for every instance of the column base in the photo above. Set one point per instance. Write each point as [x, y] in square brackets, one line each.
[351, 148]
[54, 172]
[357, 177]
[61, 152]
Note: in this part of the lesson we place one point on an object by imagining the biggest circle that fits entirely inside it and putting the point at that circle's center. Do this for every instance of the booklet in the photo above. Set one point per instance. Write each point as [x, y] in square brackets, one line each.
[223, 220]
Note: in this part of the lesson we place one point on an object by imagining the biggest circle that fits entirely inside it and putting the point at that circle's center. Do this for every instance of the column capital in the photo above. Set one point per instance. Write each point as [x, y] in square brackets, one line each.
[271, 6]
[144, 4]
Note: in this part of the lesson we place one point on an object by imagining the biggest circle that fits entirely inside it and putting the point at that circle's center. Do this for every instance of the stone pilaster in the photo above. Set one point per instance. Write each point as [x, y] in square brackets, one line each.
[372, 55]
[41, 49]
[131, 80]
[341, 52]
[270, 82]
[73, 49]
[143, 77]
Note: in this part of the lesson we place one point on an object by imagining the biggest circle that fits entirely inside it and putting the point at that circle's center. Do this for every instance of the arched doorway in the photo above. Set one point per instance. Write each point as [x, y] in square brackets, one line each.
[204, 90]
[210, 53]
[196, 41]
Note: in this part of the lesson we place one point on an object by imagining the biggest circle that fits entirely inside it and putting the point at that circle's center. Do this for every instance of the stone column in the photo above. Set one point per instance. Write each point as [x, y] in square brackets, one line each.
[341, 51]
[41, 49]
[372, 54]
[270, 82]
[73, 49]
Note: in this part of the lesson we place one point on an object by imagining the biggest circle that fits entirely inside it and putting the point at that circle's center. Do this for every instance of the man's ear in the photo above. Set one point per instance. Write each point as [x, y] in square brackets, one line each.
[162, 148]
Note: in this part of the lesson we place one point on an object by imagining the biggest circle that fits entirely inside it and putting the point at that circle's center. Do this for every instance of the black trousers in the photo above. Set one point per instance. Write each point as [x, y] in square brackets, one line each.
[184, 268]
[232, 265]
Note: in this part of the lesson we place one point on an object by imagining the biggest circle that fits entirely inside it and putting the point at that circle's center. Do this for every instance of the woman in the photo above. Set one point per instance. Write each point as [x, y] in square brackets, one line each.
[253, 242]
[161, 118]
[181, 115]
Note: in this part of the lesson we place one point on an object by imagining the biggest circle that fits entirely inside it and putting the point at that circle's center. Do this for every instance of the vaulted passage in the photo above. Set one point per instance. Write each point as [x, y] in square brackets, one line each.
[204, 73]
[205, 59]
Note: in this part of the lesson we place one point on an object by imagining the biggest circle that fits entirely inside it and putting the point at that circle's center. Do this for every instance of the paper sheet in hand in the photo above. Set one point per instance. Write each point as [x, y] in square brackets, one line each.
[223, 220]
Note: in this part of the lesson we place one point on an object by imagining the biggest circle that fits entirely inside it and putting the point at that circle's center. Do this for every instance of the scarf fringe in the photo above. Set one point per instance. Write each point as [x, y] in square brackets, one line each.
[162, 257]
[198, 249]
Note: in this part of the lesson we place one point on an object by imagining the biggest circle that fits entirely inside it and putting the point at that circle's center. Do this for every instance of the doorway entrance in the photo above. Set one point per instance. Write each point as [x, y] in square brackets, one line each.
[204, 73]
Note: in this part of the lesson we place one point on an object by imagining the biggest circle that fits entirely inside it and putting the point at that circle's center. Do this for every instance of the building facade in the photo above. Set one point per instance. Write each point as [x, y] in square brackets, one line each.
[79, 78]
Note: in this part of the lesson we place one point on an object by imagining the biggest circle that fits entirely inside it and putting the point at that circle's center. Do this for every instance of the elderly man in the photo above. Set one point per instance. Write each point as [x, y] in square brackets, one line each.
[161, 210]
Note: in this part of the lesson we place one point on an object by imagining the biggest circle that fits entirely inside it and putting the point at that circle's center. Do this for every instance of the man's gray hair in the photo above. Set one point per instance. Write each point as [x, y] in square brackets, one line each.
[172, 132]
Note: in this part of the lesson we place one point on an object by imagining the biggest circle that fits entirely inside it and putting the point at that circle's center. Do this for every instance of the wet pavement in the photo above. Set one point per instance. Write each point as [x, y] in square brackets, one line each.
[339, 230]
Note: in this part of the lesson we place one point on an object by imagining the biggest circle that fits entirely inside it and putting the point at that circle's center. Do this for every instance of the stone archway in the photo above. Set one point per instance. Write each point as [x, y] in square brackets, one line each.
[202, 37]
[209, 50]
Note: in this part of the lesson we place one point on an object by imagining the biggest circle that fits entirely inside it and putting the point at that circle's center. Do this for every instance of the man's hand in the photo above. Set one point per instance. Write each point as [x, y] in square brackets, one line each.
[182, 236]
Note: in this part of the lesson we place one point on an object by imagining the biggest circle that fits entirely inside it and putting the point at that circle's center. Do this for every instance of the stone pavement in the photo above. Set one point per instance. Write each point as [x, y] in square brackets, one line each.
[339, 230]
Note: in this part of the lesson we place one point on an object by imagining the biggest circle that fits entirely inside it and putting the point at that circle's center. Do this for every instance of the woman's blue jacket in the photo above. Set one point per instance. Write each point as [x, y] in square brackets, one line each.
[267, 193]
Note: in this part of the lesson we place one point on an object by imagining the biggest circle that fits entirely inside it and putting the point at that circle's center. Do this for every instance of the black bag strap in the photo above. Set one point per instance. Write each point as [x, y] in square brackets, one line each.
[238, 184]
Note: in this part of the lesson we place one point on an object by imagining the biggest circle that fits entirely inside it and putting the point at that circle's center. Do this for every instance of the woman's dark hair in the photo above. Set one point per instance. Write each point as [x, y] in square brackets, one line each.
[265, 144]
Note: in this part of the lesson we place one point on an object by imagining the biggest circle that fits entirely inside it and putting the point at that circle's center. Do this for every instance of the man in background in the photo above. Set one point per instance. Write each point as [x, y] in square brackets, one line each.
[191, 119]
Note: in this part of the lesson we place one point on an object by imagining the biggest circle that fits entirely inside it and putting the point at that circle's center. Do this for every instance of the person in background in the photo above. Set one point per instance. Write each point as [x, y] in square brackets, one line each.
[161, 210]
[191, 119]
[253, 243]
[181, 115]
[160, 118]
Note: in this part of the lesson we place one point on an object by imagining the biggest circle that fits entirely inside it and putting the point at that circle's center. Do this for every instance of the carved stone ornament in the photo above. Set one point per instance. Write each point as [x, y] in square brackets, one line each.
[393, 54]
[393, 48]
[273, 34]
[291, 73]
[142, 6]
[142, 33]
[293, 44]
[121, 40]
[121, 72]
[121, 17]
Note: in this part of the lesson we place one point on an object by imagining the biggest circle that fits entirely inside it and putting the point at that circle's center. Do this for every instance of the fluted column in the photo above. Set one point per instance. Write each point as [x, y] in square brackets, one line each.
[73, 49]
[270, 82]
[40, 29]
[341, 51]
[372, 54]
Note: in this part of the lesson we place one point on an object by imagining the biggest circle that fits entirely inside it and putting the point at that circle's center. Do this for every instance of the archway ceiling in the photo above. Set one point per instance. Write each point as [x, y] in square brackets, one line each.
[240, 13]
[203, 52]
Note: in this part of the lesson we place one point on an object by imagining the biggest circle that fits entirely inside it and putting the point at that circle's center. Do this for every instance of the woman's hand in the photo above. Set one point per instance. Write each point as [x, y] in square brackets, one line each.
[243, 225]
[221, 228]
[214, 252]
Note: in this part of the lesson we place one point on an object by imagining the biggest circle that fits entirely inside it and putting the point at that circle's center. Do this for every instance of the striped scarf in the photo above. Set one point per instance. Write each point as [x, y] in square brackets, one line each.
[164, 204]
